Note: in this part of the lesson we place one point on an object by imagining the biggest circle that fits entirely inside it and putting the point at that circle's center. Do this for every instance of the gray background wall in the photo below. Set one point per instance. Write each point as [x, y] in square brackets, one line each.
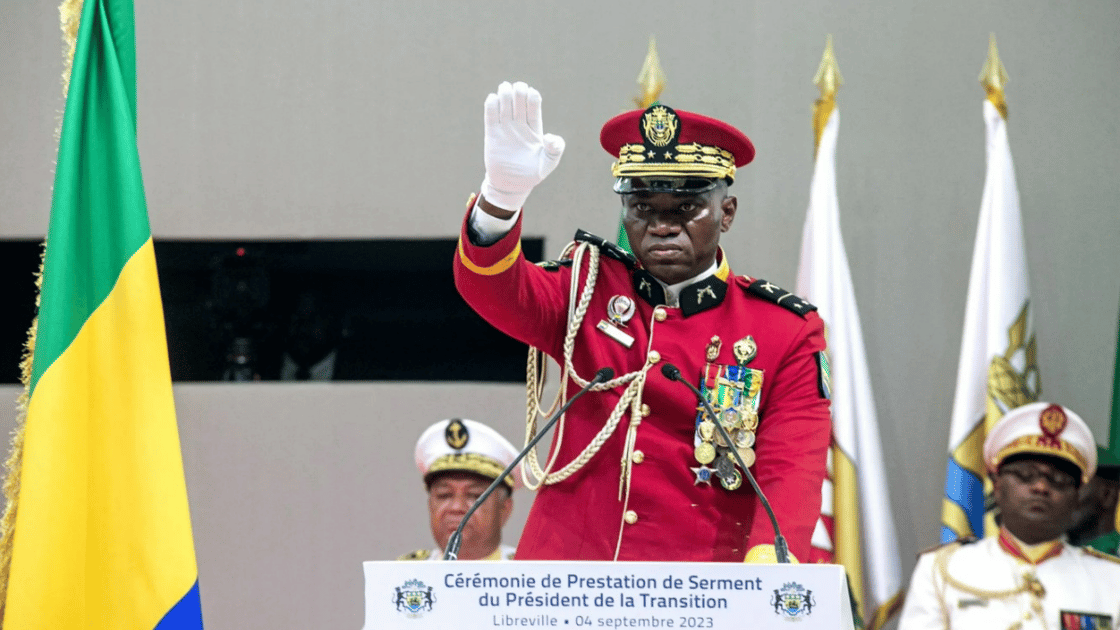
[301, 118]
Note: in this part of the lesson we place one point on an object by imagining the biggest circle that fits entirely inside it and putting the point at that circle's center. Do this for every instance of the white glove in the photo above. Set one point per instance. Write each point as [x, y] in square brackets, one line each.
[517, 153]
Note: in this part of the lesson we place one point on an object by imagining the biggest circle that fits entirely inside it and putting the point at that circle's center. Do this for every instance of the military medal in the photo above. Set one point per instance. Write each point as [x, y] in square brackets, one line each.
[733, 391]
[725, 467]
[745, 349]
[747, 454]
[705, 452]
[712, 351]
[707, 430]
[745, 439]
[719, 439]
[750, 423]
[731, 482]
[703, 475]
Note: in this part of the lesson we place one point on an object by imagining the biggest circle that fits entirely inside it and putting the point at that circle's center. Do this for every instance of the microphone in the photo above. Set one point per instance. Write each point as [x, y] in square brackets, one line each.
[456, 539]
[781, 548]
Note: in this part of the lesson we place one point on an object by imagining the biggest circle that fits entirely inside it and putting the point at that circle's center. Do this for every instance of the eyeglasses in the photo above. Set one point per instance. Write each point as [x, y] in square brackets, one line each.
[1027, 475]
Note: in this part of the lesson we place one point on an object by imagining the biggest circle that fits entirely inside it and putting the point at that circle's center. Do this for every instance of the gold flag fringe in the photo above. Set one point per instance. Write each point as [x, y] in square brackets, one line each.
[70, 13]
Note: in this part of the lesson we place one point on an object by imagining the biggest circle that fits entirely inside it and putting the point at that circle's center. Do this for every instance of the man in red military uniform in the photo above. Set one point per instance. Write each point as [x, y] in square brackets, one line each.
[636, 472]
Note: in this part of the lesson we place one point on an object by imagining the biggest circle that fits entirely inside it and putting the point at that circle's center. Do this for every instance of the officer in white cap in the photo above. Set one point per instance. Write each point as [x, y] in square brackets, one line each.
[1027, 576]
[459, 459]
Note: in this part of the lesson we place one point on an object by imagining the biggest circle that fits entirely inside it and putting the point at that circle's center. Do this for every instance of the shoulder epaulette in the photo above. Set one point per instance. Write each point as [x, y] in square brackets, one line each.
[964, 540]
[555, 265]
[419, 554]
[781, 297]
[1096, 553]
[609, 249]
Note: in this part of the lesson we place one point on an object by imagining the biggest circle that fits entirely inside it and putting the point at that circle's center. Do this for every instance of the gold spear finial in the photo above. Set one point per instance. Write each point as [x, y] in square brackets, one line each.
[828, 79]
[993, 76]
[651, 78]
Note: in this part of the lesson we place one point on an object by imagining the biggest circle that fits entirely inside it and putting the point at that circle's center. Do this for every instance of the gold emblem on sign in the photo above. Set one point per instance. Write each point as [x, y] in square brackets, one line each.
[712, 352]
[659, 126]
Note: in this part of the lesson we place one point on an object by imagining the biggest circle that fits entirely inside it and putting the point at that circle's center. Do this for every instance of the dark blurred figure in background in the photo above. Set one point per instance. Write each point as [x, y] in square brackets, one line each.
[240, 291]
[1095, 520]
[315, 338]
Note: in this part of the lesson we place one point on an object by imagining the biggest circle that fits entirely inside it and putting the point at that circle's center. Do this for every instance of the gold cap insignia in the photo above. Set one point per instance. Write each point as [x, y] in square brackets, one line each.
[456, 434]
[659, 125]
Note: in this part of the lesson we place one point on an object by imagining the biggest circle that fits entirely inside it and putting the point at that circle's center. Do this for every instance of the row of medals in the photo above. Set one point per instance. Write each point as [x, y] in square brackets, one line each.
[712, 446]
[740, 428]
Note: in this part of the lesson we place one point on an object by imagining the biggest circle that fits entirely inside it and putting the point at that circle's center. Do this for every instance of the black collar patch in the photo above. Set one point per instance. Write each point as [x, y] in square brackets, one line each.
[648, 287]
[695, 298]
[703, 295]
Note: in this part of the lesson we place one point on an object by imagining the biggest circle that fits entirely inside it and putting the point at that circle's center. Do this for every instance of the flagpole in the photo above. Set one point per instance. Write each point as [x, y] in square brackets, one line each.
[856, 528]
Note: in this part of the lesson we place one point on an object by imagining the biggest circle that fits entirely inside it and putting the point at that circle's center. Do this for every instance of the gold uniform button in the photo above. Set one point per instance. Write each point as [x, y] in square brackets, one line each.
[659, 314]
[638, 457]
[630, 517]
[645, 410]
[654, 356]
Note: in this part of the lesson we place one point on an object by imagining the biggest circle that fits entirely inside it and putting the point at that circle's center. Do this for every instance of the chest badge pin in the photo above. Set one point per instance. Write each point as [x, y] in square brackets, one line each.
[712, 351]
[745, 350]
[620, 309]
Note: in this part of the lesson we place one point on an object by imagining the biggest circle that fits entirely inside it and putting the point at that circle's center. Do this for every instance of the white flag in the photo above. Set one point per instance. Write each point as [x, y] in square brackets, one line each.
[857, 525]
[998, 368]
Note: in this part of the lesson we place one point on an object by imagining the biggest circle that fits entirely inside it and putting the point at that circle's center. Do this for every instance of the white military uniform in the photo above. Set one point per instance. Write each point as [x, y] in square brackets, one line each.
[460, 444]
[983, 586]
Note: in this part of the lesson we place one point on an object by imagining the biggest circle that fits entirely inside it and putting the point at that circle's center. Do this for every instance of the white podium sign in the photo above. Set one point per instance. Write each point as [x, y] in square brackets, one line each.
[572, 595]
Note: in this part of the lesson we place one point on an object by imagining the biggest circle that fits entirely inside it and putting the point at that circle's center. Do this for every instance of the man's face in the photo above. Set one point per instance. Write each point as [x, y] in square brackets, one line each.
[1097, 503]
[1036, 499]
[676, 236]
[450, 496]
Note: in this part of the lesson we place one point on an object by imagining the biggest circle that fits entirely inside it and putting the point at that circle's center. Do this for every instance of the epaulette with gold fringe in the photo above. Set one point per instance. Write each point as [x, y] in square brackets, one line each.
[419, 554]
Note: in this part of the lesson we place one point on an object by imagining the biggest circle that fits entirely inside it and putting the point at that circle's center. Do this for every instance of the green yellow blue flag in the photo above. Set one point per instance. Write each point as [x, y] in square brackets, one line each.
[998, 367]
[98, 533]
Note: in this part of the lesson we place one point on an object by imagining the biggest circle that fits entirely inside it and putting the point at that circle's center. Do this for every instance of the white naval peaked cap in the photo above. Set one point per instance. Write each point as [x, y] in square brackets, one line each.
[459, 444]
[1046, 429]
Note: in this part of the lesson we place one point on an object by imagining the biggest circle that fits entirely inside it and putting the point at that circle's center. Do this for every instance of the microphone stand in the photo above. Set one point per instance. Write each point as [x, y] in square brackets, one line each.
[781, 548]
[456, 539]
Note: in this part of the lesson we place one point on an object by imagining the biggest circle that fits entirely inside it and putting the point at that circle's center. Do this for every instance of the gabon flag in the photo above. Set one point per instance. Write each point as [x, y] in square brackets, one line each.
[97, 529]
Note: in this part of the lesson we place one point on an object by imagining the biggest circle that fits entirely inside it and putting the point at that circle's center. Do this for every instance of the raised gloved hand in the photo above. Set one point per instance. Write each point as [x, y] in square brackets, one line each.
[517, 152]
